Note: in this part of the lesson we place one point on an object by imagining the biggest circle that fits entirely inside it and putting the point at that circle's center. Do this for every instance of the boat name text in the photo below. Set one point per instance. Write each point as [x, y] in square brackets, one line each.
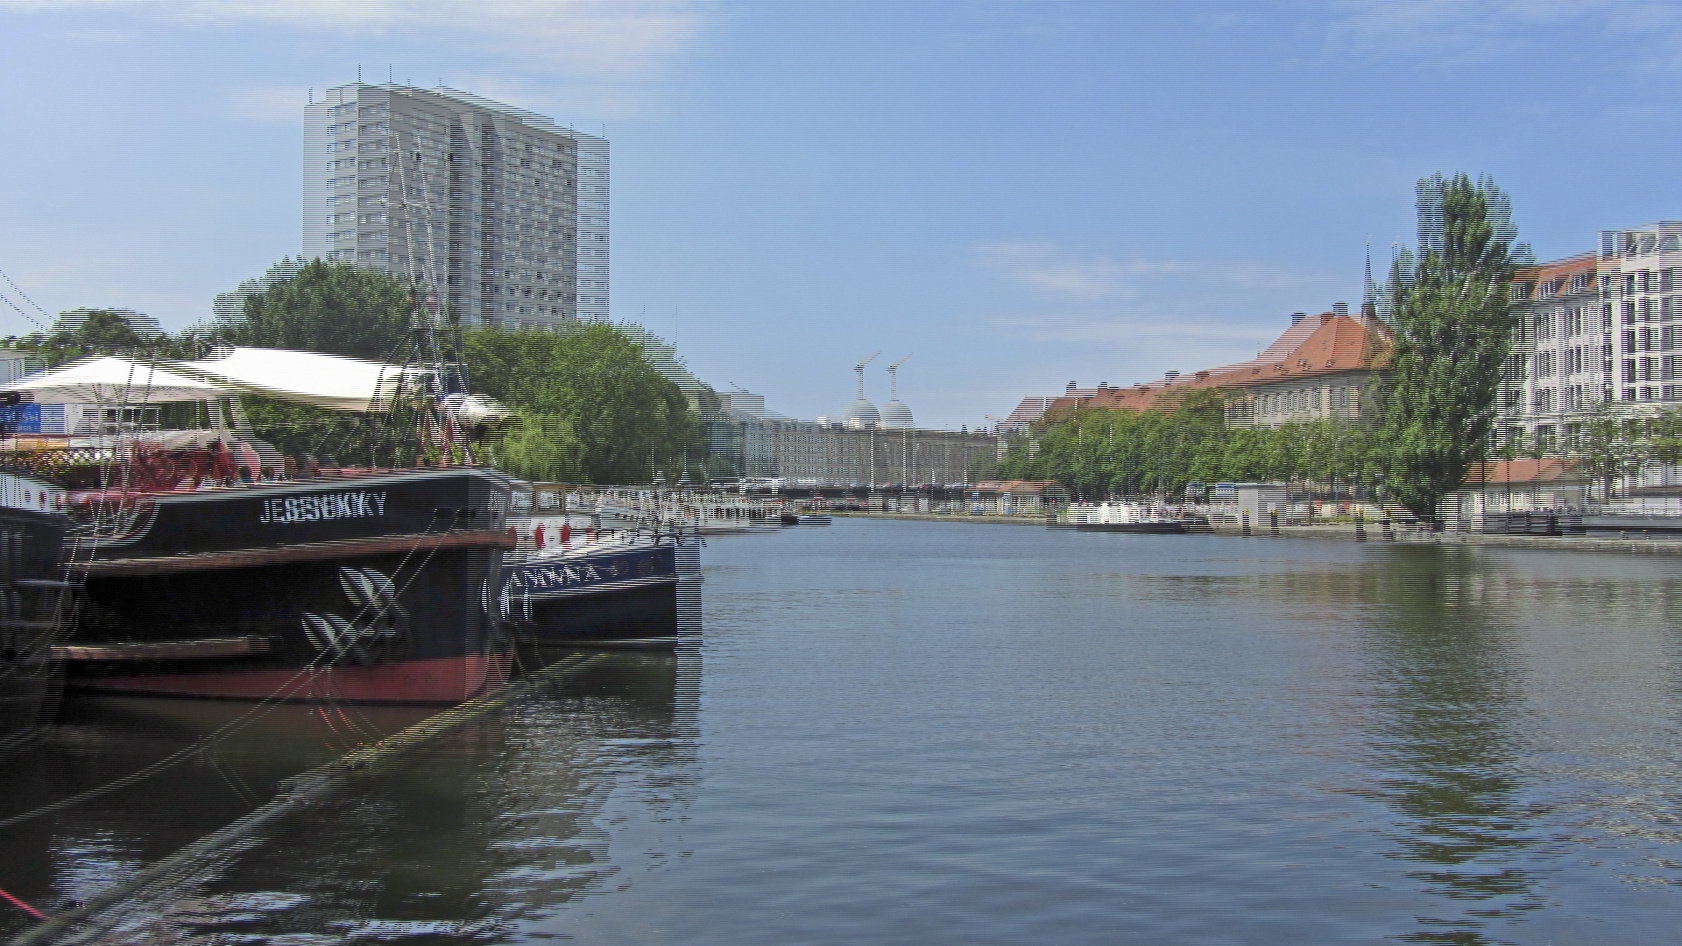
[347, 505]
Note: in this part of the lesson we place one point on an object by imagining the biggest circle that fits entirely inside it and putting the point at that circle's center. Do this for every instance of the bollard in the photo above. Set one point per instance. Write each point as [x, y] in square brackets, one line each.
[1244, 518]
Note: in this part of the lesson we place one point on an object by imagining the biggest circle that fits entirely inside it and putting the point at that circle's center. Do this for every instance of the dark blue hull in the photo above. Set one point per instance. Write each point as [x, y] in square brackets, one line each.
[33, 614]
[639, 596]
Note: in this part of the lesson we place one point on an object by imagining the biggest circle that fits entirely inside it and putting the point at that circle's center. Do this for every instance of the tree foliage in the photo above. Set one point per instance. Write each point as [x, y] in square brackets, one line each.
[335, 309]
[1117, 452]
[542, 447]
[104, 332]
[628, 420]
[1452, 332]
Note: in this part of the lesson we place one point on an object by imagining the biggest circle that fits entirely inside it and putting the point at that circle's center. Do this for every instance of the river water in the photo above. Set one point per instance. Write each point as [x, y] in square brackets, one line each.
[904, 732]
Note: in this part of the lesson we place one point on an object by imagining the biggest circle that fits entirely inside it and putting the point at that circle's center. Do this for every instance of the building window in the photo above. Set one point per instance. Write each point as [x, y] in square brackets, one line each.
[373, 164]
[375, 111]
[344, 109]
[1629, 372]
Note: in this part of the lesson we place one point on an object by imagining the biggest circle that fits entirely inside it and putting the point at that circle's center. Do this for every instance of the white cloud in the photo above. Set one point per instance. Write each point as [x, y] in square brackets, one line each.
[1040, 266]
[606, 40]
[1464, 32]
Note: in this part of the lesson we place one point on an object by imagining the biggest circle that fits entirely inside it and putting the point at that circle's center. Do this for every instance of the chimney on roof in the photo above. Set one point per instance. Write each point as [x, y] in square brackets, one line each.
[1171, 375]
[1070, 389]
[1298, 317]
[1341, 308]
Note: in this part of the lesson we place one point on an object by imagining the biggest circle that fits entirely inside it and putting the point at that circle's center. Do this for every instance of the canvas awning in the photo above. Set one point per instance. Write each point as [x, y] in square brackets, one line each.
[330, 381]
[109, 380]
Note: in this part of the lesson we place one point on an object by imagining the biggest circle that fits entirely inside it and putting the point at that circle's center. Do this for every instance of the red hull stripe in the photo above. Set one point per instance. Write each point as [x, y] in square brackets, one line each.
[445, 680]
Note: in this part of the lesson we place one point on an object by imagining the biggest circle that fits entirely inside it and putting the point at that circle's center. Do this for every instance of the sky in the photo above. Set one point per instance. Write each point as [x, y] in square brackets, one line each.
[1017, 193]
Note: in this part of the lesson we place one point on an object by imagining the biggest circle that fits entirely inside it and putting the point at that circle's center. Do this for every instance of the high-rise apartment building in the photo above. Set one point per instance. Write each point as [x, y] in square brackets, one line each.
[502, 210]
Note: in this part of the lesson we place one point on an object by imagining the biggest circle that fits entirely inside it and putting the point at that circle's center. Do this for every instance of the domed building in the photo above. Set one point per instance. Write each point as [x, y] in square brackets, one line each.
[895, 415]
[862, 414]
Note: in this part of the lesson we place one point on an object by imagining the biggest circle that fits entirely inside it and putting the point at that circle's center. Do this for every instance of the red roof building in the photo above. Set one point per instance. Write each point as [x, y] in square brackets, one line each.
[1323, 366]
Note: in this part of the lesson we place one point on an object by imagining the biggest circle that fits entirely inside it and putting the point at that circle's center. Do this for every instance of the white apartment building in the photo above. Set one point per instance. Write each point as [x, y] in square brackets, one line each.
[1595, 328]
[502, 210]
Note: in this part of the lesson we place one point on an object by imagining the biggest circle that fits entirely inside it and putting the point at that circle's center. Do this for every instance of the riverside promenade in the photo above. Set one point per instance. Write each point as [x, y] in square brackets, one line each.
[1631, 543]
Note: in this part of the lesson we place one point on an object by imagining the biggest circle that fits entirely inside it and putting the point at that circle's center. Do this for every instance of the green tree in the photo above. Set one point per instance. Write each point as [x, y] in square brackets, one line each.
[1608, 448]
[629, 421]
[104, 332]
[336, 309]
[1452, 327]
[541, 447]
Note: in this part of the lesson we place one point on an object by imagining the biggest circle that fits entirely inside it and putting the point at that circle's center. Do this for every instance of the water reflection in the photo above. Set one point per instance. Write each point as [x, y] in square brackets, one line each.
[496, 825]
[1450, 699]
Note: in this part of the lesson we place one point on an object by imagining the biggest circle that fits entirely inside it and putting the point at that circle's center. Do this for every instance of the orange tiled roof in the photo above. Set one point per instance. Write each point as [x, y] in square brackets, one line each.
[1531, 276]
[1315, 345]
[1016, 486]
[1545, 470]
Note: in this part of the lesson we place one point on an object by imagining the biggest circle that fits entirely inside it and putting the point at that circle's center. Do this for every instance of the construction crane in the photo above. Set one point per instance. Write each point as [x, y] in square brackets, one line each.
[893, 376]
[860, 369]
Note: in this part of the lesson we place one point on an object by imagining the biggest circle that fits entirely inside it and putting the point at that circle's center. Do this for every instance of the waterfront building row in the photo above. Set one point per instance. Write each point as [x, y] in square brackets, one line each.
[1322, 367]
[1596, 329]
[744, 442]
[1595, 333]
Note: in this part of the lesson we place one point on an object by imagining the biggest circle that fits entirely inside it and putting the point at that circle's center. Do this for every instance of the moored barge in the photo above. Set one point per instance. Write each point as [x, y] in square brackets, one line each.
[571, 584]
[204, 577]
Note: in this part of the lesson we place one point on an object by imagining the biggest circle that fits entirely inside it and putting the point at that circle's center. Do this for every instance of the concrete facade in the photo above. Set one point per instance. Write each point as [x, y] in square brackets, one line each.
[1596, 328]
[502, 210]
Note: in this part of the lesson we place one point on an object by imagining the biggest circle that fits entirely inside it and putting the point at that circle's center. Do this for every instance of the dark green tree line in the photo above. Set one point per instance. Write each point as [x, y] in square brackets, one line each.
[1099, 453]
[591, 404]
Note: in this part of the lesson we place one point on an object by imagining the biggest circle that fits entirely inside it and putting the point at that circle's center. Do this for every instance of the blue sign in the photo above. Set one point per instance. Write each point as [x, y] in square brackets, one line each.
[21, 418]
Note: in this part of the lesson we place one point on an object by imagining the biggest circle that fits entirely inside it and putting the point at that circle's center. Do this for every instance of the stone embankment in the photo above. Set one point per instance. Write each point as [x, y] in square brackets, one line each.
[1374, 532]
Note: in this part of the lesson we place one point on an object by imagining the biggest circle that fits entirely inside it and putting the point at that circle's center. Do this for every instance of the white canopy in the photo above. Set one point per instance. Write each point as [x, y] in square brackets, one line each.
[330, 381]
[109, 380]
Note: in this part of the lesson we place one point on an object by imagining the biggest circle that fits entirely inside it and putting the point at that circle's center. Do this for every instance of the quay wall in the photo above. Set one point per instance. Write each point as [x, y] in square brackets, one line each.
[1630, 544]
